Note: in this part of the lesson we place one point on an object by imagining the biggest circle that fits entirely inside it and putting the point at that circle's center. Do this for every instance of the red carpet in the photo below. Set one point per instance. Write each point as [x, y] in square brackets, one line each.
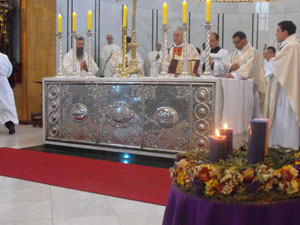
[140, 183]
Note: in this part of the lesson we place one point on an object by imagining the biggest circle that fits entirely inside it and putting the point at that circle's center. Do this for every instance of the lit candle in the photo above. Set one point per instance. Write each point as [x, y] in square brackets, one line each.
[258, 140]
[228, 132]
[90, 20]
[217, 147]
[184, 12]
[125, 15]
[74, 21]
[165, 9]
[208, 2]
[59, 20]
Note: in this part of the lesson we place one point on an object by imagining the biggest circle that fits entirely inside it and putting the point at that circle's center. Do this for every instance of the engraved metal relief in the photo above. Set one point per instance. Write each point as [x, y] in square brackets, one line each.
[120, 115]
[183, 92]
[166, 117]
[79, 112]
[201, 143]
[150, 92]
[202, 95]
[53, 118]
[53, 106]
[202, 127]
[53, 92]
[92, 91]
[54, 130]
[202, 111]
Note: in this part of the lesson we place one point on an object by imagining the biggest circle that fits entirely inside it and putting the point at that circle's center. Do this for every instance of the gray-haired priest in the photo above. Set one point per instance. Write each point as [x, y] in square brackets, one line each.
[175, 57]
[81, 60]
[282, 104]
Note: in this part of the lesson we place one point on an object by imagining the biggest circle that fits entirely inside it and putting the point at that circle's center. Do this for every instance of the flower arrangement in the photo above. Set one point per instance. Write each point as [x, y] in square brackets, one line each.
[234, 180]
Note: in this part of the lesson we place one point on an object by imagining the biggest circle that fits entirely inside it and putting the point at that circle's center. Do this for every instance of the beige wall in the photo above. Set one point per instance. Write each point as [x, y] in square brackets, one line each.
[38, 54]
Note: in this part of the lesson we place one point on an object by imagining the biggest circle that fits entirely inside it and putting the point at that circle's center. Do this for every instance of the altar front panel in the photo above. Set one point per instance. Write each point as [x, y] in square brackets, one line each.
[147, 115]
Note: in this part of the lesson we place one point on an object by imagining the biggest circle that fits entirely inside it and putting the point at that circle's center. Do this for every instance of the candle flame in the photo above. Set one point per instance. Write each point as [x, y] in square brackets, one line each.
[218, 133]
[225, 125]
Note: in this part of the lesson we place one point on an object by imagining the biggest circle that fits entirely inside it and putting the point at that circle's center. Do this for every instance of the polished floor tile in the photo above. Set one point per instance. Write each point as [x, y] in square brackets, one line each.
[29, 203]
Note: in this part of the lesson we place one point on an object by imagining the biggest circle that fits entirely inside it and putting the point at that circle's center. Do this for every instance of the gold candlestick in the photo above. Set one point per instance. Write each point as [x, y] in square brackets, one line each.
[133, 68]
[124, 49]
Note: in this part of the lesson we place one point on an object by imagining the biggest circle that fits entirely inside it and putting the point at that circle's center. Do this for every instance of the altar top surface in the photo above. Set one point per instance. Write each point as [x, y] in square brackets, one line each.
[126, 80]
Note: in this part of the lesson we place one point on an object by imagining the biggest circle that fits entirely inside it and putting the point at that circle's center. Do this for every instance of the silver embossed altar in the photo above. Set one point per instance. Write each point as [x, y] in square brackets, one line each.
[146, 116]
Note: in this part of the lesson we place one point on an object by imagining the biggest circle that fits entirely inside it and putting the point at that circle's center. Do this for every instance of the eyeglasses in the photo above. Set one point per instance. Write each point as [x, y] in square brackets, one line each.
[237, 42]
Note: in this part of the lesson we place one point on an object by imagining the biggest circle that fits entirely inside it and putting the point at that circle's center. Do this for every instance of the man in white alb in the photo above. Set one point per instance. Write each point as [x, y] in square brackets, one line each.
[219, 57]
[81, 60]
[282, 104]
[154, 59]
[246, 63]
[8, 111]
[106, 53]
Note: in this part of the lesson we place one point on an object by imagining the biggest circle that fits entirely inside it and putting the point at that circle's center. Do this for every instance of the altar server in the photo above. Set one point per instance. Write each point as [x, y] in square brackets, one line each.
[115, 61]
[218, 57]
[8, 112]
[269, 54]
[106, 53]
[246, 63]
[154, 59]
[176, 54]
[81, 60]
[282, 103]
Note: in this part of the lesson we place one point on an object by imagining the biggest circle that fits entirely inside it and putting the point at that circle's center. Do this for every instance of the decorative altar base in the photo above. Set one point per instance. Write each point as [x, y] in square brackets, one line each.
[157, 117]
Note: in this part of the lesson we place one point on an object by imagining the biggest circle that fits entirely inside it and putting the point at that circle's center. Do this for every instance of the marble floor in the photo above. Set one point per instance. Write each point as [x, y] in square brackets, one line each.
[30, 203]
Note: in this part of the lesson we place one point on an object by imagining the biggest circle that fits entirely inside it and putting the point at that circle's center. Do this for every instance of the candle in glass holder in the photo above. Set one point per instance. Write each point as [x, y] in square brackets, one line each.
[184, 12]
[217, 147]
[90, 20]
[228, 132]
[165, 9]
[258, 140]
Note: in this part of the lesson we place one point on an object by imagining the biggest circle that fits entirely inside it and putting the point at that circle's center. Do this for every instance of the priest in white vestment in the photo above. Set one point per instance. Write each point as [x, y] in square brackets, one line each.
[246, 63]
[176, 55]
[115, 61]
[154, 59]
[282, 104]
[106, 53]
[81, 61]
[218, 57]
[8, 111]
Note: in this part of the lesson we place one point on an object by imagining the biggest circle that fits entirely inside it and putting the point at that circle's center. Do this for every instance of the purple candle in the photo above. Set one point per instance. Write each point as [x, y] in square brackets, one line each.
[258, 135]
[228, 132]
[217, 147]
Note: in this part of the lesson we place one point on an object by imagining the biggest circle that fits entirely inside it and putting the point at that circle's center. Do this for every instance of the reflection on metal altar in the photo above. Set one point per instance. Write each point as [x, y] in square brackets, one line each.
[145, 116]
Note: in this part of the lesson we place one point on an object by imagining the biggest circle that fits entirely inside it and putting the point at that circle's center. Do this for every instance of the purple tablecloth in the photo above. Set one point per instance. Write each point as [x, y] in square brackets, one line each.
[184, 209]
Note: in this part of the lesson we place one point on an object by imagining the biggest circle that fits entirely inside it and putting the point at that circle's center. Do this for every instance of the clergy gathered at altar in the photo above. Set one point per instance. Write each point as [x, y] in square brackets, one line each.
[276, 76]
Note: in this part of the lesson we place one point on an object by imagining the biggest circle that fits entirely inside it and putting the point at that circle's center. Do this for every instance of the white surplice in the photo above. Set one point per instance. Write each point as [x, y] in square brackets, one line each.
[8, 111]
[68, 64]
[154, 63]
[220, 59]
[105, 54]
